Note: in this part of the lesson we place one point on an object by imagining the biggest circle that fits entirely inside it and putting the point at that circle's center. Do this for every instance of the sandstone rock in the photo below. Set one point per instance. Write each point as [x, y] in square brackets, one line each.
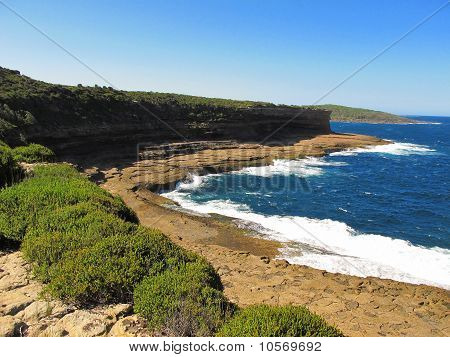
[11, 326]
[40, 309]
[119, 310]
[43, 330]
[281, 263]
[81, 323]
[14, 301]
[13, 272]
[129, 326]
[351, 305]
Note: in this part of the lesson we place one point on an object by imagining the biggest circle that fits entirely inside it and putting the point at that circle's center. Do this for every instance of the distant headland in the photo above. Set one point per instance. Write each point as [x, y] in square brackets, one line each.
[360, 115]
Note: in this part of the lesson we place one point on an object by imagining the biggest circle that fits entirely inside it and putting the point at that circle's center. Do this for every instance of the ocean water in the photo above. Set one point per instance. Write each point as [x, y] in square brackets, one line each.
[382, 211]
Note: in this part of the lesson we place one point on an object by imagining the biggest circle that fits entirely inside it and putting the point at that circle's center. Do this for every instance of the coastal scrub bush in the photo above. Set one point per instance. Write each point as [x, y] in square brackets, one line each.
[184, 301]
[67, 229]
[33, 153]
[277, 321]
[109, 270]
[52, 187]
[10, 172]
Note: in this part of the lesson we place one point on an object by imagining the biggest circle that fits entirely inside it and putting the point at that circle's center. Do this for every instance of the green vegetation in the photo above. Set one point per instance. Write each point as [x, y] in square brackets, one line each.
[33, 153]
[69, 228]
[349, 114]
[270, 321]
[109, 270]
[186, 300]
[82, 241]
[10, 171]
[11, 119]
[52, 187]
[17, 87]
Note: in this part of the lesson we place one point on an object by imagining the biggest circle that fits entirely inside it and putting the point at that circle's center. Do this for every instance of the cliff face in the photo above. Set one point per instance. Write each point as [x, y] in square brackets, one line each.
[68, 117]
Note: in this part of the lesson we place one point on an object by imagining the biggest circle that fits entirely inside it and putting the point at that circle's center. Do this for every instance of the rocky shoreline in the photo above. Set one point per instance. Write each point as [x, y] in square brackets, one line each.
[244, 261]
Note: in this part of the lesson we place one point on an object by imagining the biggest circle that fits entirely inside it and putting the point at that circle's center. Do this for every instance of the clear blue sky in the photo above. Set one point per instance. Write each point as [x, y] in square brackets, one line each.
[280, 51]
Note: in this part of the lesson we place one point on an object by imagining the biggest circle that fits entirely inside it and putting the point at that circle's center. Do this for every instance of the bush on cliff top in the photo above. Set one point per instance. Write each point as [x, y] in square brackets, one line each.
[184, 301]
[277, 321]
[10, 172]
[33, 153]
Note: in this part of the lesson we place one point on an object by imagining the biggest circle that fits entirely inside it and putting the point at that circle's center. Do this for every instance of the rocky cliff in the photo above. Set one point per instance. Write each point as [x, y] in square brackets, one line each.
[77, 117]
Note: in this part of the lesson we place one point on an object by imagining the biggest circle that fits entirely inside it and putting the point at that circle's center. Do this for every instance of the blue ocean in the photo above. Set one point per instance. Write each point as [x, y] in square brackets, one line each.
[382, 211]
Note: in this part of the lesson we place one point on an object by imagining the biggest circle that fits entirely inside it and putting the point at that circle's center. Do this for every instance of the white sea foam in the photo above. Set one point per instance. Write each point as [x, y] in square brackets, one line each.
[422, 123]
[314, 166]
[191, 182]
[336, 247]
[310, 166]
[390, 149]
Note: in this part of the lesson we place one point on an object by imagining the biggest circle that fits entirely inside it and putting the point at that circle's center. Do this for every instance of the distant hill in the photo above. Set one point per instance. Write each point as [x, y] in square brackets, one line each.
[360, 115]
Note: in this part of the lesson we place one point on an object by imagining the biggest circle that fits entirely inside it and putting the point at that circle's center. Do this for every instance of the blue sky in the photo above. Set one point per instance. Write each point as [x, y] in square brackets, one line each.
[279, 51]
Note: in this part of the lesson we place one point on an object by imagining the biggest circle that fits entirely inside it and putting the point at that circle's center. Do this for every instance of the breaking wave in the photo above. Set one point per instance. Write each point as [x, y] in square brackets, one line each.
[310, 166]
[395, 148]
[335, 247]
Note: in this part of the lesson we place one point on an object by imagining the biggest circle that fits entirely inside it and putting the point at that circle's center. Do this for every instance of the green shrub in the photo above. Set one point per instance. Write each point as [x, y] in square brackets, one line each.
[108, 270]
[67, 229]
[52, 187]
[60, 171]
[184, 301]
[33, 153]
[10, 172]
[282, 321]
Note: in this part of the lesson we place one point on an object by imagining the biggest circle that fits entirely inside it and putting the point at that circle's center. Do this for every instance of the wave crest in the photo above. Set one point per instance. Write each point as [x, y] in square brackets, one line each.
[310, 166]
[397, 148]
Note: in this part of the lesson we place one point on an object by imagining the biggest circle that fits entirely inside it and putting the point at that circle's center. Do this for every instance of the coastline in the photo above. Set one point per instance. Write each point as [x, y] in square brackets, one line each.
[244, 260]
[358, 306]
